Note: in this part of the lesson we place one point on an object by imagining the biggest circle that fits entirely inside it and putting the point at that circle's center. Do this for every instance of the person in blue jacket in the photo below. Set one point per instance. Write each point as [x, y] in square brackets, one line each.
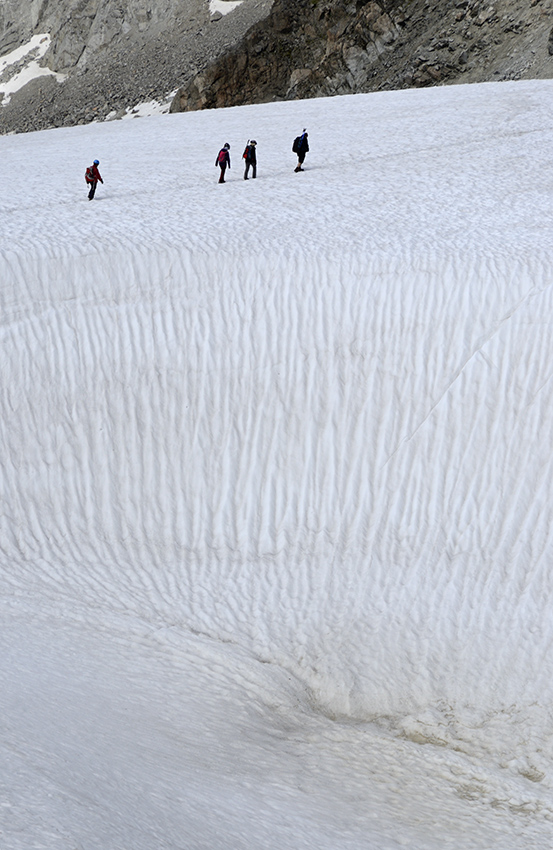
[223, 159]
[301, 147]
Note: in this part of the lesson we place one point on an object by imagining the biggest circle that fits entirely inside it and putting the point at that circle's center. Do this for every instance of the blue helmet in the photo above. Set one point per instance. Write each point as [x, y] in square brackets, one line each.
[96, 162]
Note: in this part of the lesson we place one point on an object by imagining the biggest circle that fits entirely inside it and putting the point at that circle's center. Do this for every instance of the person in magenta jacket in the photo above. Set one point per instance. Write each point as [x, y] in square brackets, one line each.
[223, 159]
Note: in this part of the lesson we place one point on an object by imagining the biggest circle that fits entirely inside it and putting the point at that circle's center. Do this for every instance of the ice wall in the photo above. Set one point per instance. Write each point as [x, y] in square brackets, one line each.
[343, 464]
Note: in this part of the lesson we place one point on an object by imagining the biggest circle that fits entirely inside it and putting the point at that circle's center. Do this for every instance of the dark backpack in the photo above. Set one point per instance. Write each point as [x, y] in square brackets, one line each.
[296, 145]
[222, 156]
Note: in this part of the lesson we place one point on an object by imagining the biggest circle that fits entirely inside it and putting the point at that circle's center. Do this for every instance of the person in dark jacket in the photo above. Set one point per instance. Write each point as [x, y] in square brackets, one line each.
[301, 146]
[223, 159]
[250, 158]
[92, 175]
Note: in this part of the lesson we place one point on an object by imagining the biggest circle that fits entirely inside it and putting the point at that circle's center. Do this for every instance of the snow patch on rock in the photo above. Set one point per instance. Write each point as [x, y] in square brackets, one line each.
[22, 65]
[223, 7]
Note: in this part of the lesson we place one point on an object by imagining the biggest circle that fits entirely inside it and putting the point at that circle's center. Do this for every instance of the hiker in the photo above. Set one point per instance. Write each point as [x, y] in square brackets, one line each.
[92, 175]
[300, 147]
[250, 158]
[223, 159]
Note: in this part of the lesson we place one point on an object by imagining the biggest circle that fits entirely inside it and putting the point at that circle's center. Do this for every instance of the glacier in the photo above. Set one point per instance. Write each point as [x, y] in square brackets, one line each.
[276, 478]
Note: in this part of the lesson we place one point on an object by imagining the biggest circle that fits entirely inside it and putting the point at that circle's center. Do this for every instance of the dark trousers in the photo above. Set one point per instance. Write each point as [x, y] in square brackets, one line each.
[254, 169]
[223, 167]
[92, 185]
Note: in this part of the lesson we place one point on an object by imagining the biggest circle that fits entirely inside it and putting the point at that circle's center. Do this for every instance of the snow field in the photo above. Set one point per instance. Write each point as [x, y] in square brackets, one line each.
[289, 441]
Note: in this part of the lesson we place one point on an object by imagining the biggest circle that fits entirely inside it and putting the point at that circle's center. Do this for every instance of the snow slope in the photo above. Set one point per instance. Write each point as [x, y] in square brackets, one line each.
[276, 479]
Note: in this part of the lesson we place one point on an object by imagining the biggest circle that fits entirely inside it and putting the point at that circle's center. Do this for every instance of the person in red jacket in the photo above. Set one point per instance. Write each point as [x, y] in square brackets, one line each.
[92, 175]
[223, 159]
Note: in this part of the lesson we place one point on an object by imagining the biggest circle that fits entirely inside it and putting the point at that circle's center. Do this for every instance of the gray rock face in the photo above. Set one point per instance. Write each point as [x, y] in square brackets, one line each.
[81, 29]
[114, 53]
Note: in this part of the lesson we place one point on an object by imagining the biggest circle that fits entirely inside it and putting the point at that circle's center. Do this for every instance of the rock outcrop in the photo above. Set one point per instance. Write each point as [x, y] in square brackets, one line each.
[312, 48]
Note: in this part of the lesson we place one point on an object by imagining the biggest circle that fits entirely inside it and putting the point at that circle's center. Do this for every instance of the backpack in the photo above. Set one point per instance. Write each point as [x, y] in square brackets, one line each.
[89, 175]
[296, 145]
[222, 156]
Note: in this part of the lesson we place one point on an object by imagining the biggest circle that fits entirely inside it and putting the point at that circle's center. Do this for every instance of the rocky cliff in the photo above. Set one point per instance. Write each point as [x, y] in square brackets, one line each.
[311, 48]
